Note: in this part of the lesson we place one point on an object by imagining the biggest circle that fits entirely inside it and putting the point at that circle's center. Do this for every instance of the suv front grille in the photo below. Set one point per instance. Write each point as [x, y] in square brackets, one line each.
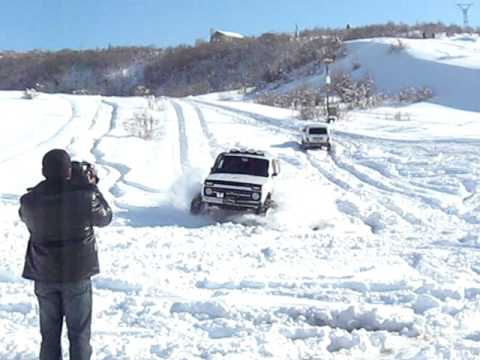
[236, 193]
[232, 183]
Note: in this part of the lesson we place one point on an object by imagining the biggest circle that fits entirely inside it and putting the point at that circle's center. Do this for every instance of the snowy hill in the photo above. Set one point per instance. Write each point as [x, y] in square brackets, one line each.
[449, 66]
[371, 251]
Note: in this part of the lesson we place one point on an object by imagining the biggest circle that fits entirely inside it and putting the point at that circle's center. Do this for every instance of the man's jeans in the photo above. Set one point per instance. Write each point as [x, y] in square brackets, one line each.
[73, 301]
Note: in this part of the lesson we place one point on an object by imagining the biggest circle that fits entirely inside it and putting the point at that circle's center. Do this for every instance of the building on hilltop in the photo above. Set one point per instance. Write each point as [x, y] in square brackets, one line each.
[220, 35]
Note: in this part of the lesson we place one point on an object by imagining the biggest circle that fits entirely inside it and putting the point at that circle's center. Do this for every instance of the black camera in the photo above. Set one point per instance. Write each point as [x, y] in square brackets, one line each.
[83, 173]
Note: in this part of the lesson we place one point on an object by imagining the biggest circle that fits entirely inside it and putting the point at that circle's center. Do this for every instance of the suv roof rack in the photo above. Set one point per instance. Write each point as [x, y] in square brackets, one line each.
[247, 151]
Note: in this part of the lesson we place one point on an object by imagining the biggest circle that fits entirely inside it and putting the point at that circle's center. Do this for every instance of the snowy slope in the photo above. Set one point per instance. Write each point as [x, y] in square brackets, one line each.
[371, 253]
[449, 66]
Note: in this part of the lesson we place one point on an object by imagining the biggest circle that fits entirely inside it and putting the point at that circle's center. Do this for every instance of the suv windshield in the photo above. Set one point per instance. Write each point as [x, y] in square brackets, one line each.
[242, 165]
[318, 131]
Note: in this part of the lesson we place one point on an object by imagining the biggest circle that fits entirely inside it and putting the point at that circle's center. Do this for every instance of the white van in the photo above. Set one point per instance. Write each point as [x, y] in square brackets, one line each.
[316, 136]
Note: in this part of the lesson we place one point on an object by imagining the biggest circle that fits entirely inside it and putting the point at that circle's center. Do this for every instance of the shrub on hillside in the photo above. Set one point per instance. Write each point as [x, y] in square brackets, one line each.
[189, 70]
[222, 66]
[310, 103]
[391, 29]
[354, 93]
[307, 102]
[97, 71]
[413, 94]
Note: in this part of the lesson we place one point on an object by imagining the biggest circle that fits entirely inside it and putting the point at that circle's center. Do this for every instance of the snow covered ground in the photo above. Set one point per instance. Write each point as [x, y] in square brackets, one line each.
[371, 253]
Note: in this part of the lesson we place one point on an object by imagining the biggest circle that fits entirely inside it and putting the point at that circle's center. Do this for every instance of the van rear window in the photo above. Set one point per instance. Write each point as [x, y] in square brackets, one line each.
[317, 131]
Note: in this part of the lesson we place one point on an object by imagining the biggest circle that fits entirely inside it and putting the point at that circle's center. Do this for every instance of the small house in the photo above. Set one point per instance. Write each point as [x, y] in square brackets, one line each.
[219, 35]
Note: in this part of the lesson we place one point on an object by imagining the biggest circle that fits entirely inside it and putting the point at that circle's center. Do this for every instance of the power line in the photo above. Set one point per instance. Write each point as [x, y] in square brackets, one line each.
[465, 7]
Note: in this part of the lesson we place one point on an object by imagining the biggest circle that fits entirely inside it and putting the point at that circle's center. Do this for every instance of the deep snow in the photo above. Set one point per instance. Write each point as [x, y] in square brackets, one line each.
[372, 252]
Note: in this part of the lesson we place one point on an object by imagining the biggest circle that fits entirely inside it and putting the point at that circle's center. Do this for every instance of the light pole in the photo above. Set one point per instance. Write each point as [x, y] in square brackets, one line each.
[328, 81]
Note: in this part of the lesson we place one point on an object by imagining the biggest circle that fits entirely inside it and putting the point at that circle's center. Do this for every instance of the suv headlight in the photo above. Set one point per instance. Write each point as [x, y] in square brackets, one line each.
[208, 183]
[256, 196]
[208, 191]
[256, 188]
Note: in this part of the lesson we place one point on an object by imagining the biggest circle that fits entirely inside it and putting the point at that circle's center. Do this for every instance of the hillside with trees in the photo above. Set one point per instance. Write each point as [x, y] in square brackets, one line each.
[191, 70]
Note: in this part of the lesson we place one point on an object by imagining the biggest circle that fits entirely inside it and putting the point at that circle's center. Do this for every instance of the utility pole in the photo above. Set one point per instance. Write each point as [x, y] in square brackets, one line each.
[328, 81]
[465, 7]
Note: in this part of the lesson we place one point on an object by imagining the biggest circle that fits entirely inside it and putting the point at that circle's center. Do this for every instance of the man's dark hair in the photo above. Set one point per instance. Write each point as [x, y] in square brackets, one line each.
[56, 164]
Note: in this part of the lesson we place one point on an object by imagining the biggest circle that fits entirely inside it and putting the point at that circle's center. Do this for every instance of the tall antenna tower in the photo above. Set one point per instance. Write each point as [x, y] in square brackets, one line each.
[465, 7]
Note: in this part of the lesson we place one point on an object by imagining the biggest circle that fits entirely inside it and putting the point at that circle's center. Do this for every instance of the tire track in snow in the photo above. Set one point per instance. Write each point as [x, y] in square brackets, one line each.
[114, 114]
[380, 191]
[350, 208]
[329, 170]
[369, 139]
[114, 171]
[212, 142]
[363, 178]
[50, 139]
[330, 177]
[251, 118]
[417, 187]
[321, 167]
[117, 171]
[182, 136]
[412, 192]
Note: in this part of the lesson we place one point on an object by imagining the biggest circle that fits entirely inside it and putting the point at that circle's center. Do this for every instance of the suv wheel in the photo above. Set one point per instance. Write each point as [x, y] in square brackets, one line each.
[262, 209]
[197, 205]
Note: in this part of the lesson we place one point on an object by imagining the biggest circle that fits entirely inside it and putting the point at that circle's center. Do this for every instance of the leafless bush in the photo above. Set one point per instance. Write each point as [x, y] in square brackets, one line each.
[414, 95]
[354, 93]
[309, 102]
[311, 112]
[143, 125]
[286, 100]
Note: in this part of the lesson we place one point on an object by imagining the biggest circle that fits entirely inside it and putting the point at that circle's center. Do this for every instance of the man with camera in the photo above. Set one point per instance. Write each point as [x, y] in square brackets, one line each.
[60, 213]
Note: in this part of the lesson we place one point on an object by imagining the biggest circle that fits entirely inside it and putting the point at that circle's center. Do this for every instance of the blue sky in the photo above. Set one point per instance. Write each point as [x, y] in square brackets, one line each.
[86, 24]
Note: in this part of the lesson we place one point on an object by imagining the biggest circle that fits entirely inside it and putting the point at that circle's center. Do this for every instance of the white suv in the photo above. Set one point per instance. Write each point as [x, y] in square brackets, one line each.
[316, 136]
[239, 179]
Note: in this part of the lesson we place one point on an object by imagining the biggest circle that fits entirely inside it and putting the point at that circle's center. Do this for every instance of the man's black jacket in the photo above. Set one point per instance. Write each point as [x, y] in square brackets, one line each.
[60, 217]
